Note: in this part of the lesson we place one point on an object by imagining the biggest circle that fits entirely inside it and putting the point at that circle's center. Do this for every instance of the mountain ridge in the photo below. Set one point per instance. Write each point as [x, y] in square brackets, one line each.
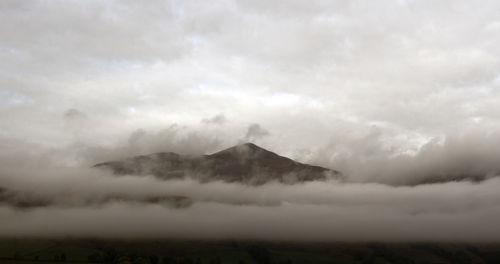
[244, 163]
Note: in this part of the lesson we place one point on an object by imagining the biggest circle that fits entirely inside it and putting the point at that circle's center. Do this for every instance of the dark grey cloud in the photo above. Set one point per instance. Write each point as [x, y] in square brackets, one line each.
[216, 120]
[72, 113]
[255, 131]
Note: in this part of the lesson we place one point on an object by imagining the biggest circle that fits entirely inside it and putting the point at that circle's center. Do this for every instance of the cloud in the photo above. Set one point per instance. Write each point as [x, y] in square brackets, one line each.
[216, 120]
[470, 155]
[315, 211]
[182, 140]
[306, 70]
[81, 201]
[255, 131]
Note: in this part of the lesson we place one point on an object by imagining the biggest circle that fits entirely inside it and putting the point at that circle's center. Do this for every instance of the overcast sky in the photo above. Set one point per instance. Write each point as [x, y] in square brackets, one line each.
[384, 91]
[308, 72]
[324, 82]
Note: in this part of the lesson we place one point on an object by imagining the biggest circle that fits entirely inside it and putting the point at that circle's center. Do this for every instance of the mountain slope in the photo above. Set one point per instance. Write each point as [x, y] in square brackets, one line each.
[245, 163]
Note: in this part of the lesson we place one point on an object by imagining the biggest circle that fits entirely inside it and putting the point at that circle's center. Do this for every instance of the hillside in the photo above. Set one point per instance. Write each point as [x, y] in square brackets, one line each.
[245, 163]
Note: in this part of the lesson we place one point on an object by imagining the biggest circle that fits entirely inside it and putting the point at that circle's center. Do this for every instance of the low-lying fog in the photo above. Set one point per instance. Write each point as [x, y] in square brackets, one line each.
[48, 200]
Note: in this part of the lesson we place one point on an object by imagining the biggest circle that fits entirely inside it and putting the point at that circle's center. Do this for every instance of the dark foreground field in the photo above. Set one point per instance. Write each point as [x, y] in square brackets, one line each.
[250, 252]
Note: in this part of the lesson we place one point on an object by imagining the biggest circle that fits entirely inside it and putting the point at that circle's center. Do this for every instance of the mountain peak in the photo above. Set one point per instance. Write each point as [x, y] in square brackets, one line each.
[246, 150]
[251, 145]
[244, 163]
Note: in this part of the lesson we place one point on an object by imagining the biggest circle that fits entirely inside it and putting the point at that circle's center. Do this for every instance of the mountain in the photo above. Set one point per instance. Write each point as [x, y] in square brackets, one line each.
[245, 163]
[25, 199]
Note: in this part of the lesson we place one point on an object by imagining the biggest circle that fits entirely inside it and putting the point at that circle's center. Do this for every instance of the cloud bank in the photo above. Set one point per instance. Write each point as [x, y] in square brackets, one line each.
[309, 212]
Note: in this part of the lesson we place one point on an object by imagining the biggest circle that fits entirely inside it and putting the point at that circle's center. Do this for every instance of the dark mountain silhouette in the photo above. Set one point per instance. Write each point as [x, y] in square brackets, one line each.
[23, 199]
[245, 163]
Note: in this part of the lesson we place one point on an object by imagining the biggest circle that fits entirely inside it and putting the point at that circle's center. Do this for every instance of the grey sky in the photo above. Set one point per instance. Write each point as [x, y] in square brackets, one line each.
[305, 71]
